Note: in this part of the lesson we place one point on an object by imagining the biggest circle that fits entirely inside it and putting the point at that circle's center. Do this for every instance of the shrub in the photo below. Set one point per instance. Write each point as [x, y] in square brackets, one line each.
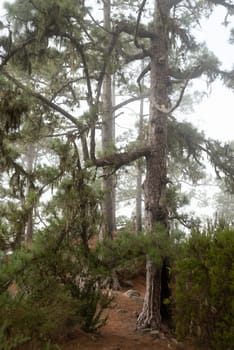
[205, 288]
[48, 301]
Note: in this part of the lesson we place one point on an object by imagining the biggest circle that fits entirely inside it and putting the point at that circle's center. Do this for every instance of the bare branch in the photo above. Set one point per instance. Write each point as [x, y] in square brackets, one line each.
[132, 99]
[142, 74]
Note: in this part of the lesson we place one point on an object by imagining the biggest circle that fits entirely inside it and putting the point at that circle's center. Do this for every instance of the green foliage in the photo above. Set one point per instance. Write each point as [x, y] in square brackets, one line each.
[128, 249]
[93, 302]
[46, 291]
[204, 288]
[7, 343]
[12, 106]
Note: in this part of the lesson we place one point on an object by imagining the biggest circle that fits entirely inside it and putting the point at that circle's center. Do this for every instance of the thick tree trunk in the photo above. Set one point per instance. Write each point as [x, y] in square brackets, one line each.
[156, 169]
[107, 143]
[138, 227]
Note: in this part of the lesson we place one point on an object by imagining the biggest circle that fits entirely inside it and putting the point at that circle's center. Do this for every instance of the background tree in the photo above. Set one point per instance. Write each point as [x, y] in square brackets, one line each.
[108, 141]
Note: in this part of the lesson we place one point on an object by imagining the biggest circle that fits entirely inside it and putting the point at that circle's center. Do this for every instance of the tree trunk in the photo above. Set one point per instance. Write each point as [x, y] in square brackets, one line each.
[113, 140]
[156, 169]
[107, 142]
[138, 227]
[30, 157]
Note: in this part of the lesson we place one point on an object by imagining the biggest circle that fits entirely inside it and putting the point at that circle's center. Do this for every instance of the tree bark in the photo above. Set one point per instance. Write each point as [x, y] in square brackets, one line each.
[138, 227]
[108, 207]
[156, 167]
[30, 157]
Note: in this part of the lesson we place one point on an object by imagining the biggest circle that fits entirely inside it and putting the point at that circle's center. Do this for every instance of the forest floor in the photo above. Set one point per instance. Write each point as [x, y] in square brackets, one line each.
[120, 332]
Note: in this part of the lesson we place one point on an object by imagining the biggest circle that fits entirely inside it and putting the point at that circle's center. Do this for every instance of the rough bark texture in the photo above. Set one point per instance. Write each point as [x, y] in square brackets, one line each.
[139, 198]
[139, 169]
[107, 142]
[156, 169]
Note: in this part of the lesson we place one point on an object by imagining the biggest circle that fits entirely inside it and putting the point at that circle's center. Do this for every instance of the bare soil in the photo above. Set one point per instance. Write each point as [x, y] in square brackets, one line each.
[120, 332]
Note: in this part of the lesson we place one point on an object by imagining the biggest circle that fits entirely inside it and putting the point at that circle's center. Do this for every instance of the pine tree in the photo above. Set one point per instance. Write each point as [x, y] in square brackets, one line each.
[59, 54]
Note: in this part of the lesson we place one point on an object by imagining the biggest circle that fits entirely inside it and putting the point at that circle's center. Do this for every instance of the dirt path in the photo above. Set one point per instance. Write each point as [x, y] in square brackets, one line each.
[120, 334]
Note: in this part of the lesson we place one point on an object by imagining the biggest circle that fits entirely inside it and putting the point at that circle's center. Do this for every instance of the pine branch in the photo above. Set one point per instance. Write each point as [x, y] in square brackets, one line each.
[116, 160]
[130, 28]
[80, 49]
[138, 24]
[44, 100]
[15, 51]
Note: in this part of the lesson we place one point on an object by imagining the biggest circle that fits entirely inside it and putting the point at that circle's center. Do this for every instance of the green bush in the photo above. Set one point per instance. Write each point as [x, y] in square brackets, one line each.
[205, 288]
[48, 302]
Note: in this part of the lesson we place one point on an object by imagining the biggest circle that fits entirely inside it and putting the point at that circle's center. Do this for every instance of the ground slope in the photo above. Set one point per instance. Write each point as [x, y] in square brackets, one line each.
[120, 333]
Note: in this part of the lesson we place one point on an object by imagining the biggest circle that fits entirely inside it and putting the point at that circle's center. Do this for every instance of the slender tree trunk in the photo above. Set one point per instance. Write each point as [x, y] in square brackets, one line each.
[156, 169]
[138, 227]
[30, 157]
[113, 140]
[107, 141]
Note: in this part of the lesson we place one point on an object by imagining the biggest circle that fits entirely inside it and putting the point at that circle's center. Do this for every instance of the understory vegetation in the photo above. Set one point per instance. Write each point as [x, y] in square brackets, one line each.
[48, 291]
[204, 288]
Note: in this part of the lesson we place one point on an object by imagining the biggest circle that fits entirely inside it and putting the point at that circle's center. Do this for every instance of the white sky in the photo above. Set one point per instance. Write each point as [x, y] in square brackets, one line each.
[215, 115]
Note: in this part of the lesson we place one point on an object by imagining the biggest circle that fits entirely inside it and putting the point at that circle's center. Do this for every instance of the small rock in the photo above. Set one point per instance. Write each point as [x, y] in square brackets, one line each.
[132, 293]
[155, 334]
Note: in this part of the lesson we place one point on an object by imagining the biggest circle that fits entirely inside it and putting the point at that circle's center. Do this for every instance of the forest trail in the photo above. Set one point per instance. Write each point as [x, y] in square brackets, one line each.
[120, 334]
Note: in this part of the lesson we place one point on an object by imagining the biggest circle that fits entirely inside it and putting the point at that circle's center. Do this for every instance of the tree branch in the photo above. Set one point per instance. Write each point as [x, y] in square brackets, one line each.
[135, 57]
[116, 160]
[130, 28]
[228, 5]
[79, 48]
[14, 51]
[132, 99]
[44, 100]
[142, 74]
[138, 24]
